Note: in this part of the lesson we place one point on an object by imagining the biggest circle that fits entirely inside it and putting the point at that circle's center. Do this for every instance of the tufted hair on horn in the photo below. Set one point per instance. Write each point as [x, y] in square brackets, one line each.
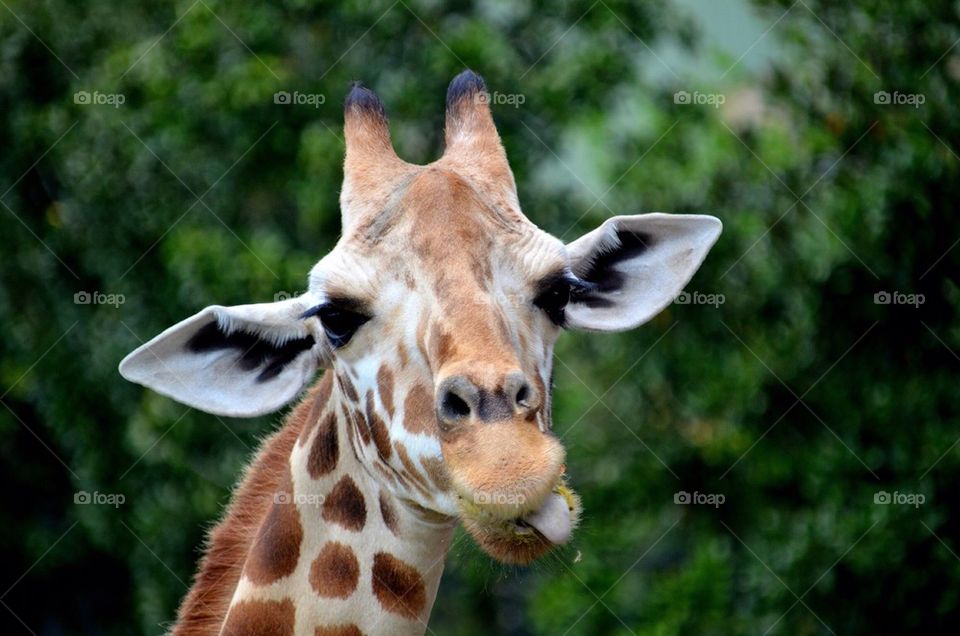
[471, 136]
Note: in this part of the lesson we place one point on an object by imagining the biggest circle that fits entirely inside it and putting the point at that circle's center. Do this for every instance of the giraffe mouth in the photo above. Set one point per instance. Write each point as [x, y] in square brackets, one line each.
[522, 538]
[554, 519]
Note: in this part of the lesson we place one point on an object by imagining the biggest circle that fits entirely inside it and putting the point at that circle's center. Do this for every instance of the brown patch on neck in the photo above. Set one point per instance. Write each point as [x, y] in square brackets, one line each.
[335, 572]
[276, 549]
[398, 586]
[204, 609]
[388, 513]
[381, 437]
[419, 415]
[348, 389]
[325, 450]
[385, 387]
[258, 618]
[318, 399]
[345, 505]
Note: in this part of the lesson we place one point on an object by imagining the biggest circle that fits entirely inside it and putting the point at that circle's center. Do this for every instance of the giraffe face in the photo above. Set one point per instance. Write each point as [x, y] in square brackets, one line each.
[437, 312]
[458, 303]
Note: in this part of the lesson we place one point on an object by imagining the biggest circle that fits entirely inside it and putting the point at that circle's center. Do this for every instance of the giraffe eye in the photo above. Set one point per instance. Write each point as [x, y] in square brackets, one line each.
[553, 298]
[339, 323]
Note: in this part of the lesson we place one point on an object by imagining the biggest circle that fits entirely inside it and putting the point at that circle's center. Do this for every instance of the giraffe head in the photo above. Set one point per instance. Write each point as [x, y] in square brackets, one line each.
[437, 311]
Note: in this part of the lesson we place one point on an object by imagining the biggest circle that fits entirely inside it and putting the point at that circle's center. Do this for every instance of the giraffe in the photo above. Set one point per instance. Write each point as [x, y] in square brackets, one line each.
[433, 319]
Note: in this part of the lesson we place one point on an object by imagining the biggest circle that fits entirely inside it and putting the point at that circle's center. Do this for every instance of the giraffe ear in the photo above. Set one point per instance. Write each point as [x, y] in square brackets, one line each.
[636, 266]
[236, 361]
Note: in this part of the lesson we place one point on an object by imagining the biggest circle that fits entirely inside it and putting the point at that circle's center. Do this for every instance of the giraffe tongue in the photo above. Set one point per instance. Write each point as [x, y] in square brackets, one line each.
[552, 519]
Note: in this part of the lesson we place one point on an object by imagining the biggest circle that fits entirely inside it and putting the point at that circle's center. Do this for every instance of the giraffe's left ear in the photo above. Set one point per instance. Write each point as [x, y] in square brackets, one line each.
[237, 361]
[635, 266]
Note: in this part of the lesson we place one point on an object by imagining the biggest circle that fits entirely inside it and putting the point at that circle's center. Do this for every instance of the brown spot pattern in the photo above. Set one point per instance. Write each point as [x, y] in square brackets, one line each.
[360, 423]
[318, 399]
[338, 630]
[276, 548]
[398, 586]
[437, 471]
[408, 464]
[418, 412]
[348, 389]
[388, 513]
[205, 607]
[381, 438]
[385, 387]
[325, 450]
[345, 505]
[422, 340]
[446, 347]
[260, 618]
[335, 572]
[386, 474]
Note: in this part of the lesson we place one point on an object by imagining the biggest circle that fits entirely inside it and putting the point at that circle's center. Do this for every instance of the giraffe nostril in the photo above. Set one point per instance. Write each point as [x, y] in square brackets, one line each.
[453, 406]
[522, 394]
[457, 400]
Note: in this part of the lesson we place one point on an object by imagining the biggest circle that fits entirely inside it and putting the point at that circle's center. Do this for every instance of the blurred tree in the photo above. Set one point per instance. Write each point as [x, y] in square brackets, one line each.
[794, 394]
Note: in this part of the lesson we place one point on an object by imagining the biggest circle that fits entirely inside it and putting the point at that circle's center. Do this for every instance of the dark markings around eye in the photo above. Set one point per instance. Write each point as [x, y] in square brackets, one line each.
[557, 290]
[601, 273]
[340, 319]
[254, 351]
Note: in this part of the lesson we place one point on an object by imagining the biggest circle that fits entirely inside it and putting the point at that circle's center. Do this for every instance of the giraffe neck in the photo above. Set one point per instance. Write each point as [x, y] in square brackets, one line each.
[334, 551]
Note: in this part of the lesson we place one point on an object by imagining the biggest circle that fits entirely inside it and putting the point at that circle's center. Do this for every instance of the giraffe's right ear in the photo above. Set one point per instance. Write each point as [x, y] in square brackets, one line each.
[236, 361]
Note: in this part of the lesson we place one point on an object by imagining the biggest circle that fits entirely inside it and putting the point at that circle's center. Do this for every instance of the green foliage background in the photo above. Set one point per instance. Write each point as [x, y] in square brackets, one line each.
[797, 399]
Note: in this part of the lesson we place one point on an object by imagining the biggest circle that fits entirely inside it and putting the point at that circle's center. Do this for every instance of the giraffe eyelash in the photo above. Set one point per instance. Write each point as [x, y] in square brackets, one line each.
[339, 318]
